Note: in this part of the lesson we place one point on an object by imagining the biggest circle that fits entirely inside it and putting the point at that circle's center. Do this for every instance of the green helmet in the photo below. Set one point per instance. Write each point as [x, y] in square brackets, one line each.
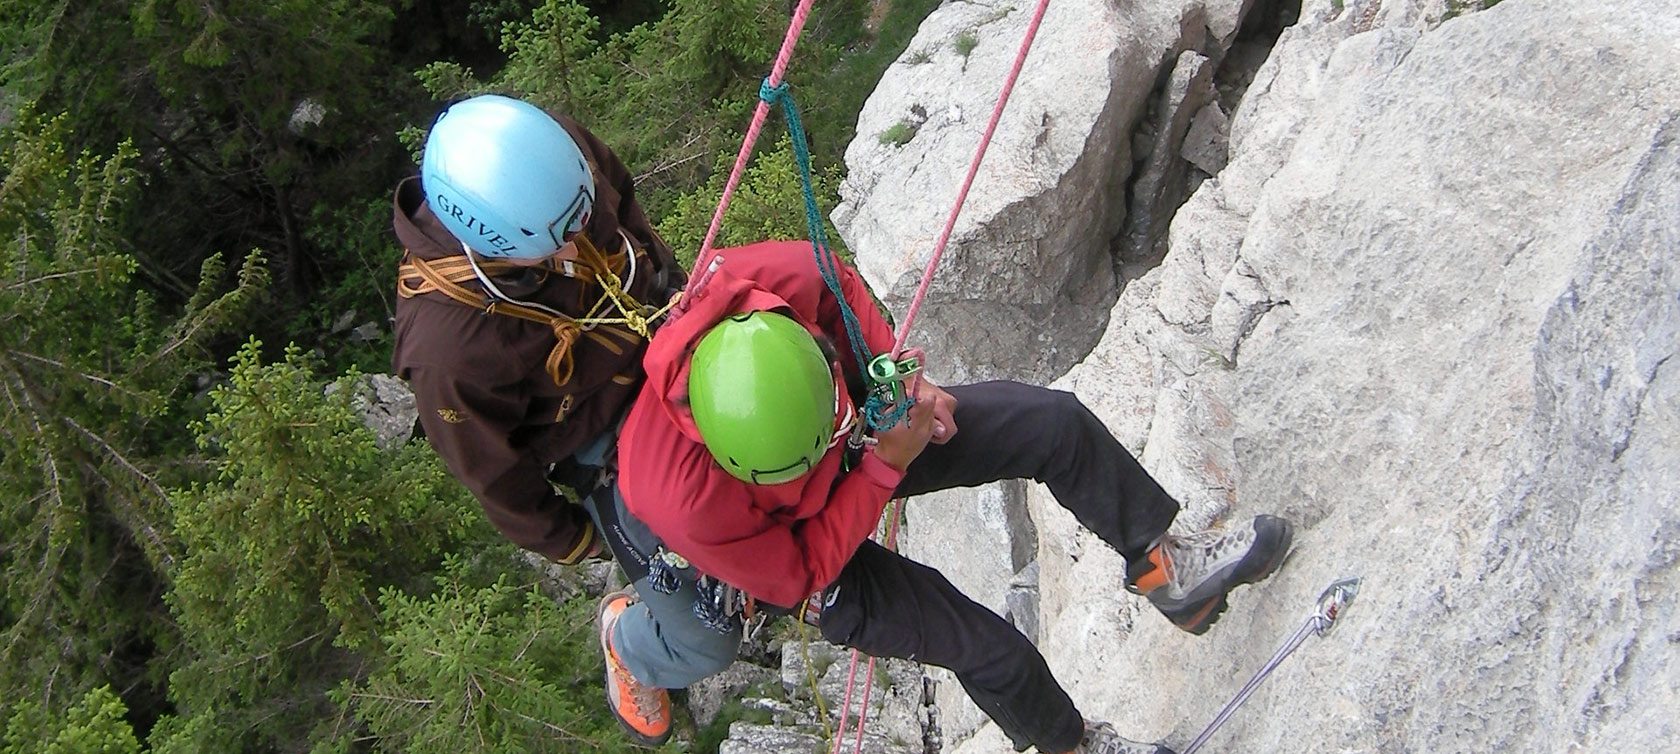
[763, 397]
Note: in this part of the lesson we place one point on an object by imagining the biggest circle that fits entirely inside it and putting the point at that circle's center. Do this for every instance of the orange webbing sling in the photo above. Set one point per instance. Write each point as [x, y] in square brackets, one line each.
[416, 276]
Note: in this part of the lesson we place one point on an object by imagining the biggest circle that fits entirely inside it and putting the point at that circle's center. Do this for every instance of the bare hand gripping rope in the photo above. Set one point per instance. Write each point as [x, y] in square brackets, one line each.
[1331, 603]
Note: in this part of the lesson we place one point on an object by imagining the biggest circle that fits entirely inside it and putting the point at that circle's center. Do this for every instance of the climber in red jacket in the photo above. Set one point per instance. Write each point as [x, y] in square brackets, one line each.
[744, 457]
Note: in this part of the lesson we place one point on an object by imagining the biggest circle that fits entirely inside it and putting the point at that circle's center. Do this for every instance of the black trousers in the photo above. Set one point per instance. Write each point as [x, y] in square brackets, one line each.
[889, 606]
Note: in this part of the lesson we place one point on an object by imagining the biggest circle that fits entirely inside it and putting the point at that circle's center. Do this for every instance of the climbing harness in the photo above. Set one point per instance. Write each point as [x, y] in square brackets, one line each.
[416, 276]
[1331, 604]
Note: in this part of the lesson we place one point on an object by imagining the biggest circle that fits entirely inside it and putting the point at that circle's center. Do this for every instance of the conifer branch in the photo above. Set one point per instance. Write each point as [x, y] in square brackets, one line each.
[206, 313]
[94, 378]
[389, 698]
[45, 278]
[273, 652]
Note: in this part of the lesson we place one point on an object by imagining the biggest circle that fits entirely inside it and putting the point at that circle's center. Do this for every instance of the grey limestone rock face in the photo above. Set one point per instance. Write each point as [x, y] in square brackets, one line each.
[751, 738]
[386, 406]
[894, 690]
[707, 697]
[1428, 310]
[1029, 272]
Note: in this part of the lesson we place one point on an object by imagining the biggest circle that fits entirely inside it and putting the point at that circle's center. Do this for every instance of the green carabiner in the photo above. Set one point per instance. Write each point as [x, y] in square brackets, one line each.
[885, 372]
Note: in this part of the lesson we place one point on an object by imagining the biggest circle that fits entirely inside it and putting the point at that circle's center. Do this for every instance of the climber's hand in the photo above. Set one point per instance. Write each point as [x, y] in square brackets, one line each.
[901, 444]
[944, 409]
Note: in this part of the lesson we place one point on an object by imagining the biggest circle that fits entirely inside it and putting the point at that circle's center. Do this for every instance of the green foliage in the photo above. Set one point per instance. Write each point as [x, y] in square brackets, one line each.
[768, 204]
[246, 118]
[496, 668]
[88, 368]
[966, 42]
[1456, 8]
[713, 735]
[307, 519]
[93, 725]
[361, 237]
[899, 134]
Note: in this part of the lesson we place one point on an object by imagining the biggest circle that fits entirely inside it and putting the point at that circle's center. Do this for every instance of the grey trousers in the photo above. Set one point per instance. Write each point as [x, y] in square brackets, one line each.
[659, 638]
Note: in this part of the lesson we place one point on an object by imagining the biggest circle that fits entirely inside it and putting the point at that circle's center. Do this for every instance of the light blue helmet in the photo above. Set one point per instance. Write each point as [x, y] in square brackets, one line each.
[506, 178]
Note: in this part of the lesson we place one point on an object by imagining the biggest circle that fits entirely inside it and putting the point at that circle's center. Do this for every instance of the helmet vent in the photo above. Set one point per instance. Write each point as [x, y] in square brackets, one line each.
[527, 232]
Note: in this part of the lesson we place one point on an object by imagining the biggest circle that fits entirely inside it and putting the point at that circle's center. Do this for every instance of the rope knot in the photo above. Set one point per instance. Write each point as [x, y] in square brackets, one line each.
[772, 94]
[559, 362]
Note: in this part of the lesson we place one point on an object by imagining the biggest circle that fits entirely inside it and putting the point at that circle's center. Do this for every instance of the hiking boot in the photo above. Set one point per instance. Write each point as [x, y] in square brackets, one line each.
[644, 711]
[1187, 578]
[1100, 738]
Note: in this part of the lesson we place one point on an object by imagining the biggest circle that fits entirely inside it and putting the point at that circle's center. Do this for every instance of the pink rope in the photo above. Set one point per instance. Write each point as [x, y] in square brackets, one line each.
[973, 168]
[863, 708]
[891, 542]
[760, 113]
[904, 332]
[846, 706]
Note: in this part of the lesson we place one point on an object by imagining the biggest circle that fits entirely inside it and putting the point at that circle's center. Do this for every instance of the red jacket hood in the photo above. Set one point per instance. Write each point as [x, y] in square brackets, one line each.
[667, 360]
[778, 543]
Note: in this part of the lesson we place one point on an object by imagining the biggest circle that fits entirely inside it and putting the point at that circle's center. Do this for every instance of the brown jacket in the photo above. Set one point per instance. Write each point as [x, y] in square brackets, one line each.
[486, 401]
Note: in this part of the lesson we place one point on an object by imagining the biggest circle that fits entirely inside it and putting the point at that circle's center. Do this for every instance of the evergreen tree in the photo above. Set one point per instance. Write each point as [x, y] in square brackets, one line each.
[493, 668]
[89, 370]
[94, 725]
[253, 123]
[769, 204]
[286, 551]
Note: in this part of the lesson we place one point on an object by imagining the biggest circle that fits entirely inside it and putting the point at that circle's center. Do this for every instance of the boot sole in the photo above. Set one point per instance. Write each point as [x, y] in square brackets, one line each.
[1202, 609]
[636, 737]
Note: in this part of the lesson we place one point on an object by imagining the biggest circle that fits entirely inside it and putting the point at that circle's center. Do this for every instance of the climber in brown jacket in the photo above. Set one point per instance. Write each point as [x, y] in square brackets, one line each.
[528, 282]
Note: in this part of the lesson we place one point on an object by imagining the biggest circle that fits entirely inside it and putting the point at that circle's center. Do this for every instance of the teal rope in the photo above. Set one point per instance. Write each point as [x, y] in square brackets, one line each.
[877, 411]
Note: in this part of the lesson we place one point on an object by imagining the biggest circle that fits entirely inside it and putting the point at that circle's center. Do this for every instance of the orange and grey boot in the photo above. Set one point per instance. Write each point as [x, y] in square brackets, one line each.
[1187, 578]
[644, 711]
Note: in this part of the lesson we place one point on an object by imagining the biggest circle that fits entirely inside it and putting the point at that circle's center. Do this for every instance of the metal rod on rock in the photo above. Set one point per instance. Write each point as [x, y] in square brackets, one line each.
[1331, 603]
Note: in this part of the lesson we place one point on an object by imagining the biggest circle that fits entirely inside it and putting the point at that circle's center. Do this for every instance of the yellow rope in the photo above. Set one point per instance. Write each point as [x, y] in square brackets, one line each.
[632, 313]
[811, 672]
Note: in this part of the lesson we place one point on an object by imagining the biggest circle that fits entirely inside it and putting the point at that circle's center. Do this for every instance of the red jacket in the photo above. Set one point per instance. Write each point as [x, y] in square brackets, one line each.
[778, 543]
